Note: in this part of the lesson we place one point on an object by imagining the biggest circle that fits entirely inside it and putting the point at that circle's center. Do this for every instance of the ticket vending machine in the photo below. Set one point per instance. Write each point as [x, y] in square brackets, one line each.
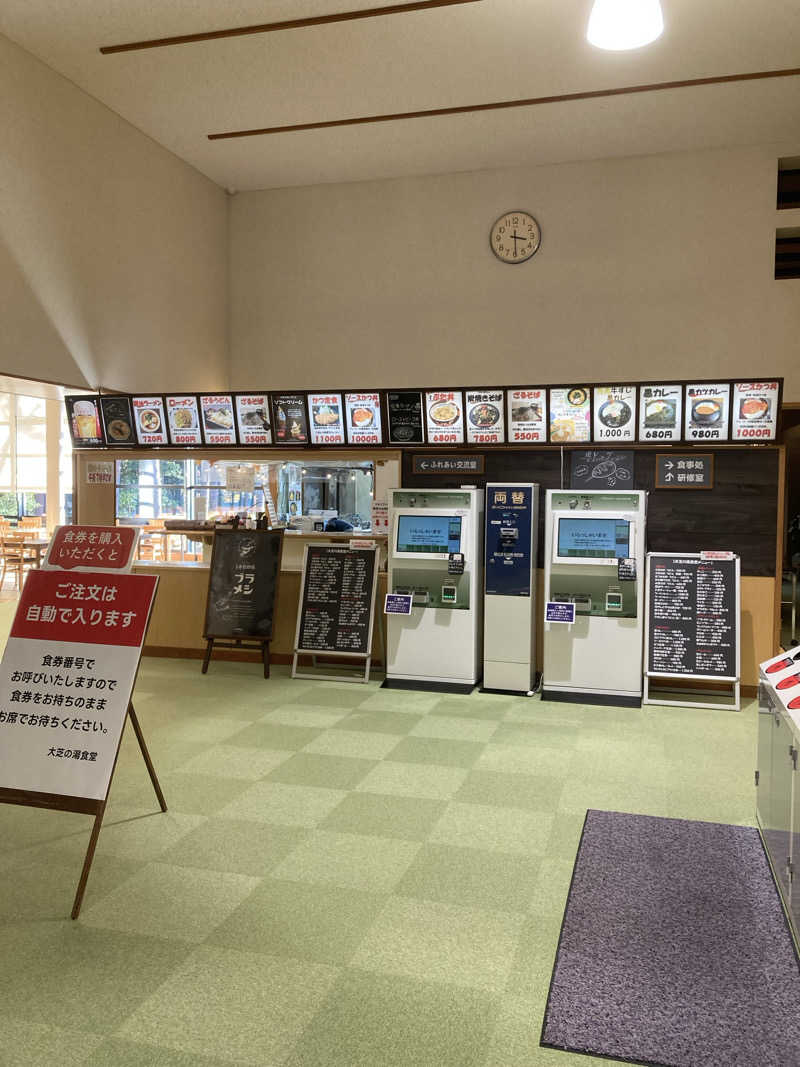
[509, 606]
[594, 572]
[435, 554]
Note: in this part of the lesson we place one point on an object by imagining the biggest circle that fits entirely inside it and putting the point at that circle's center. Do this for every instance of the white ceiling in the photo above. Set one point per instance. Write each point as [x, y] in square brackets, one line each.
[475, 53]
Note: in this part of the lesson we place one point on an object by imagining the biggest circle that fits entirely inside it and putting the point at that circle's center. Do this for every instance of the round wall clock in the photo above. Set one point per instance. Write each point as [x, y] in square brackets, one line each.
[515, 237]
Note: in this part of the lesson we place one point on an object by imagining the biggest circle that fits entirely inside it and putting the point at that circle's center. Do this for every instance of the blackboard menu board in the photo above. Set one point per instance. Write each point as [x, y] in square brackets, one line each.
[337, 598]
[243, 583]
[693, 616]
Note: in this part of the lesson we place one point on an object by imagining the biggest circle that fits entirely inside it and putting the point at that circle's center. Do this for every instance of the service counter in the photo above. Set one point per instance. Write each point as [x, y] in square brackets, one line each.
[176, 626]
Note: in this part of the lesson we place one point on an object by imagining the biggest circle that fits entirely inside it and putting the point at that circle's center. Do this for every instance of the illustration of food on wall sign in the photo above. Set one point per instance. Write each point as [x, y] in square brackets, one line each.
[660, 412]
[117, 420]
[218, 422]
[148, 414]
[363, 418]
[184, 420]
[614, 413]
[325, 418]
[527, 415]
[706, 414]
[252, 419]
[485, 422]
[754, 411]
[444, 416]
[570, 415]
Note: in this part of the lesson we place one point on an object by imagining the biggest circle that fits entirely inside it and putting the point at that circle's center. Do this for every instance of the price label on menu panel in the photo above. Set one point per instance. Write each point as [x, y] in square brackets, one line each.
[527, 416]
[660, 412]
[252, 419]
[363, 418]
[183, 417]
[706, 412]
[485, 422]
[754, 411]
[614, 413]
[148, 414]
[326, 419]
[217, 413]
[444, 417]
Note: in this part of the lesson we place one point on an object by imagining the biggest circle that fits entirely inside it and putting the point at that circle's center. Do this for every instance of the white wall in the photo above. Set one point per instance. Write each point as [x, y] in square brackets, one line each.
[113, 253]
[659, 265]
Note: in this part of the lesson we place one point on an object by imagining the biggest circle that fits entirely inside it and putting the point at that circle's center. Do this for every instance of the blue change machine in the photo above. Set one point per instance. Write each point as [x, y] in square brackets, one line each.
[509, 607]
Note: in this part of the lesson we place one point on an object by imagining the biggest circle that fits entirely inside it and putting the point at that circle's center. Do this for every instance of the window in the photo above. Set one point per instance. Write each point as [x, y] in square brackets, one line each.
[151, 488]
[23, 455]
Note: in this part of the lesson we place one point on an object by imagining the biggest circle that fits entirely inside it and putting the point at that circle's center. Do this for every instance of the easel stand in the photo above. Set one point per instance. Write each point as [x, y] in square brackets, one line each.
[658, 696]
[345, 671]
[261, 646]
[85, 806]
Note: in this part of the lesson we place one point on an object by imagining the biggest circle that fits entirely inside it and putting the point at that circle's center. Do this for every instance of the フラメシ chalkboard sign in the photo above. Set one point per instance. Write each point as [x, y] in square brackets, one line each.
[692, 621]
[337, 603]
[242, 588]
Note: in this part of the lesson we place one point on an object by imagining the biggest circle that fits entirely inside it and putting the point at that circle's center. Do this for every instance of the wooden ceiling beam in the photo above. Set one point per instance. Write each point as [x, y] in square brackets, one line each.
[501, 105]
[287, 24]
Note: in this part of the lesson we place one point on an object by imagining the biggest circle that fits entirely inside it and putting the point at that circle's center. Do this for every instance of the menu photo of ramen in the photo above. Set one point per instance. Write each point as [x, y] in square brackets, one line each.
[754, 411]
[706, 407]
[184, 420]
[149, 420]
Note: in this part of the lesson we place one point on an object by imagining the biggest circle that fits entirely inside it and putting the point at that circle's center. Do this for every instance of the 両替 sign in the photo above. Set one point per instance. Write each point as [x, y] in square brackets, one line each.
[684, 470]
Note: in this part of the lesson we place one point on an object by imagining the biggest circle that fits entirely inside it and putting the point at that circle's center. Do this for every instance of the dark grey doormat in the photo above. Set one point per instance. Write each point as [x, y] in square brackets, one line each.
[674, 949]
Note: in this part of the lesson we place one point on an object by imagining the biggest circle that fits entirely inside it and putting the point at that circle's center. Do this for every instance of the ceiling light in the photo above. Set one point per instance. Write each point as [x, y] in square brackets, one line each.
[621, 24]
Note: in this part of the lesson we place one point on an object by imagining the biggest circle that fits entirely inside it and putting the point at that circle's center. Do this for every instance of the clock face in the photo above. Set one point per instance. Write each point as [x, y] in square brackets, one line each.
[515, 237]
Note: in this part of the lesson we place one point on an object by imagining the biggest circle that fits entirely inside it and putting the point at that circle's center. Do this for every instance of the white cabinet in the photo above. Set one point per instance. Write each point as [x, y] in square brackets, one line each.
[778, 797]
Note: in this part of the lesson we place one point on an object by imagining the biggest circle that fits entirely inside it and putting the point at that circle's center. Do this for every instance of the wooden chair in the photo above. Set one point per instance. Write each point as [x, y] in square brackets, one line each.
[14, 556]
[31, 522]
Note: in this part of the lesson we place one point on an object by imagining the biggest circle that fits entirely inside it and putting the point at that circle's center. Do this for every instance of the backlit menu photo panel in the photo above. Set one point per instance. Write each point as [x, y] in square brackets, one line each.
[289, 418]
[661, 412]
[484, 416]
[183, 419]
[326, 418]
[614, 413]
[216, 411]
[404, 412]
[527, 415]
[117, 420]
[707, 408]
[363, 418]
[252, 419]
[444, 417]
[754, 411]
[150, 420]
[570, 415]
[83, 416]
